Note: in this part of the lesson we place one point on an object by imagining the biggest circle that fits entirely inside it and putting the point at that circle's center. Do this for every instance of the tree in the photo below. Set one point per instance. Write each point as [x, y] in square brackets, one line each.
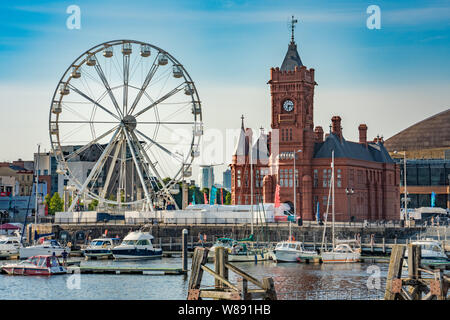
[228, 198]
[93, 205]
[56, 204]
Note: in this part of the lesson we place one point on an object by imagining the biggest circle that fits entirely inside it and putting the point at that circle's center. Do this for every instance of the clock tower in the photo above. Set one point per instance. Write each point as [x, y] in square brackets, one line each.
[292, 93]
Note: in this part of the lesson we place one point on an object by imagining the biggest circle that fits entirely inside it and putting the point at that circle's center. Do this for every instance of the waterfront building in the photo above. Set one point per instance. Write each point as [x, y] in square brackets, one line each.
[227, 179]
[367, 179]
[426, 148]
[206, 176]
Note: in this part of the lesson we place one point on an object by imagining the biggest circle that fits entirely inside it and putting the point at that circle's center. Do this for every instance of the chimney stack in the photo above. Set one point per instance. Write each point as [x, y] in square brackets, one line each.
[362, 133]
[318, 131]
[336, 126]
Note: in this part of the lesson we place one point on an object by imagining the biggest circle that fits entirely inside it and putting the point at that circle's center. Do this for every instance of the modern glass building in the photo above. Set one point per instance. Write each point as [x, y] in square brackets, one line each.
[424, 177]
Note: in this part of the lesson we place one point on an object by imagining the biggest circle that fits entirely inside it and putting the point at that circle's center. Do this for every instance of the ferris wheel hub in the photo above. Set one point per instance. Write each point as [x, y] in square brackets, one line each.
[129, 122]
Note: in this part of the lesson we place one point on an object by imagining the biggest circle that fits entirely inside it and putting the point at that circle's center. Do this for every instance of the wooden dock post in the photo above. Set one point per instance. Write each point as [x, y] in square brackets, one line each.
[184, 252]
[314, 241]
[384, 245]
[395, 271]
[223, 288]
[221, 258]
[414, 287]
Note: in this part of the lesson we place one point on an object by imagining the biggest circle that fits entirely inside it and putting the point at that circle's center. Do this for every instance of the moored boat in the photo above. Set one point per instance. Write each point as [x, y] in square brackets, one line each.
[136, 245]
[100, 248]
[293, 251]
[342, 253]
[47, 247]
[41, 265]
[430, 250]
[9, 246]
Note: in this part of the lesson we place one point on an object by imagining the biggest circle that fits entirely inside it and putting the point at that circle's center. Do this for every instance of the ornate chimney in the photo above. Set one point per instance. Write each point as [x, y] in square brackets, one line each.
[318, 132]
[362, 133]
[336, 126]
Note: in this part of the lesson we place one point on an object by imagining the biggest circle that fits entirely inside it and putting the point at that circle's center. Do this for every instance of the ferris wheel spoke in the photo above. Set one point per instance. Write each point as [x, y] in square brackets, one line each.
[112, 167]
[175, 156]
[138, 169]
[145, 84]
[163, 98]
[78, 151]
[126, 74]
[99, 164]
[102, 76]
[71, 86]
[152, 166]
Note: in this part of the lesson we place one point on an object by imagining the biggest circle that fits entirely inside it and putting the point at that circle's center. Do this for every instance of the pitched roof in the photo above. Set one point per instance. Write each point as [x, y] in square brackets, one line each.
[430, 133]
[292, 58]
[260, 151]
[242, 146]
[347, 149]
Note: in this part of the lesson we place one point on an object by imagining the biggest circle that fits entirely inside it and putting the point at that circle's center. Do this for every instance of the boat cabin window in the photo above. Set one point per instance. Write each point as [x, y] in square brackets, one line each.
[42, 262]
[129, 242]
[34, 261]
[292, 245]
[143, 242]
[280, 245]
[436, 249]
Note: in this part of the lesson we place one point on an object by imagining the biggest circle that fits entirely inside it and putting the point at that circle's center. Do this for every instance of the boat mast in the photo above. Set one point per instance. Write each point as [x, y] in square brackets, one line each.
[326, 215]
[332, 186]
[251, 178]
[37, 187]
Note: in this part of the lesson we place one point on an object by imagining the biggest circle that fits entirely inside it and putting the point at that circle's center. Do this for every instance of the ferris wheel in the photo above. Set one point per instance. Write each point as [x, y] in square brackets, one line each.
[125, 124]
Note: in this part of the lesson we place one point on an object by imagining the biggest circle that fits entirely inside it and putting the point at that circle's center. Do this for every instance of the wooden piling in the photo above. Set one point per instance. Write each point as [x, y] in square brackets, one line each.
[395, 271]
[184, 253]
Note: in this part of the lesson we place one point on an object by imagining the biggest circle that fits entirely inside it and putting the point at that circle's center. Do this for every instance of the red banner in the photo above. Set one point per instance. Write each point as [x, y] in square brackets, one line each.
[206, 198]
[277, 196]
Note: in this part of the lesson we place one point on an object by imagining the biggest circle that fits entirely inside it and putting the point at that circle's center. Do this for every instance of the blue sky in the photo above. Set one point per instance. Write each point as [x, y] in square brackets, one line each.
[388, 78]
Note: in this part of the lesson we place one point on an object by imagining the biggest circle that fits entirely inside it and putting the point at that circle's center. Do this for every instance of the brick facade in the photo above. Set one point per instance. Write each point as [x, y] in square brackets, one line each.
[367, 180]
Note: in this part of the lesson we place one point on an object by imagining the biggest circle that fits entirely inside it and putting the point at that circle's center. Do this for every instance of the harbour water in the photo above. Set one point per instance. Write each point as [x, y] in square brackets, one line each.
[292, 281]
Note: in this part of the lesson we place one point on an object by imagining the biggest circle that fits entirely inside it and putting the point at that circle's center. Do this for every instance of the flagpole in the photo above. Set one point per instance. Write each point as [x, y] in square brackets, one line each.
[332, 178]
[251, 179]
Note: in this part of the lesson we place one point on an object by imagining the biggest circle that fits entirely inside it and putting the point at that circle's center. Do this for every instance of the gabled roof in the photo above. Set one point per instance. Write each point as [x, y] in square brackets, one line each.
[260, 151]
[347, 149]
[292, 58]
[242, 144]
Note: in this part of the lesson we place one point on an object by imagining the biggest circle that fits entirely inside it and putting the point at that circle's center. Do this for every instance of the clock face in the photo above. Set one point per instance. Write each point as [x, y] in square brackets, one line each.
[288, 105]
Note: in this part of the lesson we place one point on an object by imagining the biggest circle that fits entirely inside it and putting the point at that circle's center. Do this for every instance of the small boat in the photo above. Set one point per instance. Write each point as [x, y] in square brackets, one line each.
[47, 247]
[343, 252]
[293, 251]
[100, 248]
[41, 265]
[9, 246]
[137, 245]
[226, 243]
[240, 252]
[431, 251]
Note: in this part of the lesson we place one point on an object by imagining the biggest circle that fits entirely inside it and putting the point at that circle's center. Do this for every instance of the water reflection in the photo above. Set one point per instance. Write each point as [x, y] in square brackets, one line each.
[292, 281]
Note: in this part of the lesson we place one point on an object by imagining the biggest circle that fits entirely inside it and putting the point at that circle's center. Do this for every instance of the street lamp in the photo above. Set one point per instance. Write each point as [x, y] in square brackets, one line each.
[295, 184]
[349, 192]
[406, 216]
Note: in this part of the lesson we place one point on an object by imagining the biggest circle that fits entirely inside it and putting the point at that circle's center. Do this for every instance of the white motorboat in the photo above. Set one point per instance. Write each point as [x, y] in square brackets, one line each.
[137, 245]
[343, 252]
[36, 266]
[9, 246]
[100, 248]
[293, 251]
[48, 247]
[431, 251]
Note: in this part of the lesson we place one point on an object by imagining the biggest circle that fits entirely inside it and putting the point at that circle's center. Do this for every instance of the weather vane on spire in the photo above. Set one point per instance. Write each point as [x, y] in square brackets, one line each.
[292, 23]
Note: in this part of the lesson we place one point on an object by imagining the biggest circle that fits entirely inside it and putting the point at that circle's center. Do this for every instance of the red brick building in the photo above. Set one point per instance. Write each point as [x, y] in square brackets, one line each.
[367, 179]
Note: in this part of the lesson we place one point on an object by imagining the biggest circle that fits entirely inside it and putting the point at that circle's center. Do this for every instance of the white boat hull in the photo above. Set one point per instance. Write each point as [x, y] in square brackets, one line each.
[286, 256]
[27, 252]
[247, 257]
[340, 257]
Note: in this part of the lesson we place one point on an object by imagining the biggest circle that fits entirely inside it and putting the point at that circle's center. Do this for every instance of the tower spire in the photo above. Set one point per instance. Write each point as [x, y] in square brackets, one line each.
[242, 122]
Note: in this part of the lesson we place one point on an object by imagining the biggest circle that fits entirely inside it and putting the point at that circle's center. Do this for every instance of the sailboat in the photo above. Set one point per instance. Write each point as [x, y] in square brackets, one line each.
[342, 251]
